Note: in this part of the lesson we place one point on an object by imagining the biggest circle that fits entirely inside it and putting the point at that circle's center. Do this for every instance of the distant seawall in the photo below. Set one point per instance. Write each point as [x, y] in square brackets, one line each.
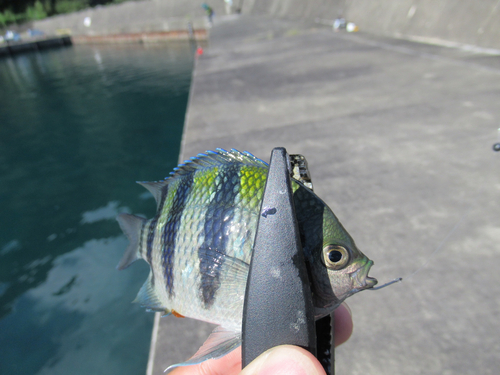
[463, 21]
[170, 19]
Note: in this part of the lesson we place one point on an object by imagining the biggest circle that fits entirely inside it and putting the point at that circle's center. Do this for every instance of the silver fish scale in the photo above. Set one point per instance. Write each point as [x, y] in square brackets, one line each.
[216, 223]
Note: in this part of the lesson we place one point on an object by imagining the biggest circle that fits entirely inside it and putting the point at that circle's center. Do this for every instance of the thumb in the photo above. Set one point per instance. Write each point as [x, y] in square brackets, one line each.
[284, 360]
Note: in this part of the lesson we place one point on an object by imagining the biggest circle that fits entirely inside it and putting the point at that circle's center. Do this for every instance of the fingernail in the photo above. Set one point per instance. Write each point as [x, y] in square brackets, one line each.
[285, 360]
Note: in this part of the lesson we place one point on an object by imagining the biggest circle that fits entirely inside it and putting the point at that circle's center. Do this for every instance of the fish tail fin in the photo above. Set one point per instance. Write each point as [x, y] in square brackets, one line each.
[131, 225]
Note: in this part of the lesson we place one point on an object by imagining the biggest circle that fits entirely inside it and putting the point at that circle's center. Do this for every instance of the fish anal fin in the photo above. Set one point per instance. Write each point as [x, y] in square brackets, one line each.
[131, 225]
[220, 342]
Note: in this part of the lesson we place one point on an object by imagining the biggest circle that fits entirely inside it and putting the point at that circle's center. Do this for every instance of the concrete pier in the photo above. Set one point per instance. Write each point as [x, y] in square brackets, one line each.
[398, 136]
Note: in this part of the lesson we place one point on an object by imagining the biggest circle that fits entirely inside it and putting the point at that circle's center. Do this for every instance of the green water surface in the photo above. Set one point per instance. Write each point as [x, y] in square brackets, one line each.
[78, 126]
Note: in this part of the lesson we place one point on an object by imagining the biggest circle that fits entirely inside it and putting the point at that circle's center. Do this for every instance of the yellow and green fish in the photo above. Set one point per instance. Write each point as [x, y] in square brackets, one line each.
[199, 245]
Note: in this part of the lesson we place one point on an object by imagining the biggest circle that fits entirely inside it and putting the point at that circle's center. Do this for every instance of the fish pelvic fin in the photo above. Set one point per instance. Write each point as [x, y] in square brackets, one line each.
[148, 298]
[131, 225]
[220, 342]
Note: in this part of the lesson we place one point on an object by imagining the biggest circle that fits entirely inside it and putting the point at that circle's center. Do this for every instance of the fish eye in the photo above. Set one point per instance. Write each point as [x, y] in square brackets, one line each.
[335, 257]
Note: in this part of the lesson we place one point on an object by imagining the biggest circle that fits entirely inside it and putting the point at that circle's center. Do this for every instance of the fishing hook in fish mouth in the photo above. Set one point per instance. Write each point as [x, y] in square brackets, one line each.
[387, 284]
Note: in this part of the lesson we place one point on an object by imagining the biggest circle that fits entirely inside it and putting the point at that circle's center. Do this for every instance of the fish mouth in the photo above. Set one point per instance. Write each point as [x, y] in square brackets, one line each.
[362, 280]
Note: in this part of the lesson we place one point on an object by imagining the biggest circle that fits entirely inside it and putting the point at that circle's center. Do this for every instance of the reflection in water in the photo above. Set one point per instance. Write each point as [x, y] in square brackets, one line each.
[110, 211]
[77, 127]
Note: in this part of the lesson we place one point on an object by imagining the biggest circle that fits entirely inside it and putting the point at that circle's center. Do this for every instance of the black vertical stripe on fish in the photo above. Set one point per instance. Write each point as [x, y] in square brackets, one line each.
[152, 230]
[171, 228]
[141, 241]
[149, 245]
[218, 219]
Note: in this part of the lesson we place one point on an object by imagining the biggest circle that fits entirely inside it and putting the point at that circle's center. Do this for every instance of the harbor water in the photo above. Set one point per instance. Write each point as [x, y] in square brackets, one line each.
[78, 126]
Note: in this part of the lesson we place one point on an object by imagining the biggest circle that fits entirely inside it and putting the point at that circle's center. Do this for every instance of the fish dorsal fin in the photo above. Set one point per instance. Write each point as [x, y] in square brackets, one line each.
[208, 160]
[220, 342]
[148, 298]
[155, 188]
[216, 159]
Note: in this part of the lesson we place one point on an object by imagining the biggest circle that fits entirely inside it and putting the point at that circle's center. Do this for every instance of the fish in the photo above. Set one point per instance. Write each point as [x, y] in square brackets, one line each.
[199, 245]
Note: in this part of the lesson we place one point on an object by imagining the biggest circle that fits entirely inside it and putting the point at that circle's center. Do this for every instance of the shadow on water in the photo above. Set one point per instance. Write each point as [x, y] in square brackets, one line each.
[77, 127]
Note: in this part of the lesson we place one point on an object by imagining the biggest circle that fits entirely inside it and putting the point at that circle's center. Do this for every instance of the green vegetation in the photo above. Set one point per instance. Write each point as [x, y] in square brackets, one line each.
[19, 11]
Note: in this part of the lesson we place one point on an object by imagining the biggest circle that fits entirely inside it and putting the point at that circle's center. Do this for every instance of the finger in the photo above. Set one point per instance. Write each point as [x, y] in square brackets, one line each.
[342, 324]
[284, 360]
[230, 364]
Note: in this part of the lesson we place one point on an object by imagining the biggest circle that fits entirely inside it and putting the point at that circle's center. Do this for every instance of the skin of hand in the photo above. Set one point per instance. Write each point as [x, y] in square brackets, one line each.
[280, 360]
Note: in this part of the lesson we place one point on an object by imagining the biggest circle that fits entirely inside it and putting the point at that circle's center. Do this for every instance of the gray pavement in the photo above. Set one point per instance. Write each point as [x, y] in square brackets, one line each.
[398, 136]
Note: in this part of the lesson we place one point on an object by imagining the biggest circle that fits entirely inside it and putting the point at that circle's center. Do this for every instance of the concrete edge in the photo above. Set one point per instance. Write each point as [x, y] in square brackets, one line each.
[190, 99]
[156, 324]
[152, 348]
[449, 44]
[142, 37]
[35, 44]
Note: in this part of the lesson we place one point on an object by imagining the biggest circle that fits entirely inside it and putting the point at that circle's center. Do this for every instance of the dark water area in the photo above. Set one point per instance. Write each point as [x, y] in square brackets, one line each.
[78, 126]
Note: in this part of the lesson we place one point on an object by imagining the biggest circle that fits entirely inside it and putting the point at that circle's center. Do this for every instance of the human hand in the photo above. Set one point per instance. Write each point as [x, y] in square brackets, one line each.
[281, 360]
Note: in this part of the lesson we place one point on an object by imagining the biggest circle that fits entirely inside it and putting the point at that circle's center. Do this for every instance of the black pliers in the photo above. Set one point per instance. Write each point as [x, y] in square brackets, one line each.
[278, 305]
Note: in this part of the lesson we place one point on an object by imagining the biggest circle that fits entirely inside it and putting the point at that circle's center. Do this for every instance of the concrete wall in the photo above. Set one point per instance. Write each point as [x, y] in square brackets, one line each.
[296, 9]
[132, 17]
[467, 21]
[474, 22]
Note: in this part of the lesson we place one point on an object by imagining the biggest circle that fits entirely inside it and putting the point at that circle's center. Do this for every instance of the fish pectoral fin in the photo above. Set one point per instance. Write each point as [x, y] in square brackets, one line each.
[220, 342]
[131, 225]
[237, 269]
[148, 298]
[233, 281]
[224, 276]
[218, 262]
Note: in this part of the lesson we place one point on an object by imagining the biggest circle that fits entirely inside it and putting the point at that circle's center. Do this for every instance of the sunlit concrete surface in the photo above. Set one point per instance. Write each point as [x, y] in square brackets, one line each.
[398, 136]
